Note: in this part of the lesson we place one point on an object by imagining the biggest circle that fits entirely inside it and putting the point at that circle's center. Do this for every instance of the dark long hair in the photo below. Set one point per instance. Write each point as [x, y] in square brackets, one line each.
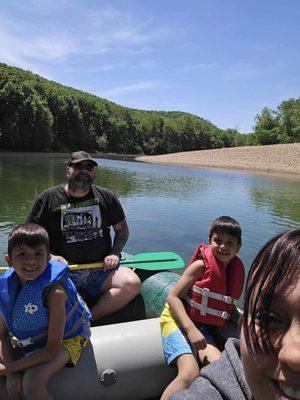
[275, 269]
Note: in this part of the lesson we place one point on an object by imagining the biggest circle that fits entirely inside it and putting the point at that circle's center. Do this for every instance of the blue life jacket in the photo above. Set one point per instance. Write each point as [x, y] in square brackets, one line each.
[25, 313]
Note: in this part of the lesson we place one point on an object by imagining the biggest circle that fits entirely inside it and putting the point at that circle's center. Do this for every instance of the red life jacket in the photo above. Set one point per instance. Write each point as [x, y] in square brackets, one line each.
[212, 299]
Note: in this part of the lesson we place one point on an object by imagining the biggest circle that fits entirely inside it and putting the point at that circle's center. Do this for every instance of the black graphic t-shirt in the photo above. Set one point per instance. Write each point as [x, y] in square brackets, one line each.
[79, 228]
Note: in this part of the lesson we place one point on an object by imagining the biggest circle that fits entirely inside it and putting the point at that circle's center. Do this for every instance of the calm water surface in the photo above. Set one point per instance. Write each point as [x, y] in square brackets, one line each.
[168, 208]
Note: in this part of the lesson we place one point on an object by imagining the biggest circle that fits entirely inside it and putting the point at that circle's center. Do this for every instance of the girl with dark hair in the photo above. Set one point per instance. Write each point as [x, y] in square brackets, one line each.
[265, 363]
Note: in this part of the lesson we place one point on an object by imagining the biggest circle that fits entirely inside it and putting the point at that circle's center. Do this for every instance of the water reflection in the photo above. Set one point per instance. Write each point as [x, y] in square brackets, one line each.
[168, 208]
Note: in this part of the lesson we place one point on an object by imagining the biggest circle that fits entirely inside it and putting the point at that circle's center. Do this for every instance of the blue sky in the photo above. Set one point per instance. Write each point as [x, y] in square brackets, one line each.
[223, 60]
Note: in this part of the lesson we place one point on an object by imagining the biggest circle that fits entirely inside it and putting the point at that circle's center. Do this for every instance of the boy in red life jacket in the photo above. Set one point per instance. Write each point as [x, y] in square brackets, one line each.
[204, 296]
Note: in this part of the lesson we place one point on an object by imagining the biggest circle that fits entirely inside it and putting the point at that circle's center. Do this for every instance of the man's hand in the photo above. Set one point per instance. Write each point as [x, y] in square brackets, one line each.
[110, 262]
[14, 385]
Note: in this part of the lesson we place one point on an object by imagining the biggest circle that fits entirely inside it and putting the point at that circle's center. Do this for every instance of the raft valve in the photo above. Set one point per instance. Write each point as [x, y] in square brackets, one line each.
[108, 377]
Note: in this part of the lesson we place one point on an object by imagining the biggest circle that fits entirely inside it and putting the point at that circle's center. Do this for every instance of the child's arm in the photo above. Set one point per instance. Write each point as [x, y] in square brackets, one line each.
[192, 273]
[14, 381]
[56, 299]
[6, 350]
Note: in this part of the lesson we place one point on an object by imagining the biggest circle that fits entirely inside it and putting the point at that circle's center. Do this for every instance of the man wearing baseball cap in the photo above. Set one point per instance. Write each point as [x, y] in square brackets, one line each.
[78, 216]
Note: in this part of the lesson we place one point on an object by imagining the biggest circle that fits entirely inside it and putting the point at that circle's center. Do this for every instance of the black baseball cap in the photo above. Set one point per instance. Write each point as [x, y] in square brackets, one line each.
[79, 156]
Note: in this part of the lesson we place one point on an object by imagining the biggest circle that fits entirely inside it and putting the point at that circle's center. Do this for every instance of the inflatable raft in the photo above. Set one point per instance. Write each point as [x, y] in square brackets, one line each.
[125, 360]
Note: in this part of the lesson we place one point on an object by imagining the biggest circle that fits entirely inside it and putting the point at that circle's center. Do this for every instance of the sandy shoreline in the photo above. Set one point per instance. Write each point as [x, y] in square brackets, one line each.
[274, 159]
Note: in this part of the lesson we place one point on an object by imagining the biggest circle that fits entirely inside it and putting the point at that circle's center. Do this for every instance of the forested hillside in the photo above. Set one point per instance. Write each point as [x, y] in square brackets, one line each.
[41, 115]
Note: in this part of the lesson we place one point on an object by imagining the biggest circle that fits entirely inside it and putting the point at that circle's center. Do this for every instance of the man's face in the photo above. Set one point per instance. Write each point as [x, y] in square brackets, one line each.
[80, 175]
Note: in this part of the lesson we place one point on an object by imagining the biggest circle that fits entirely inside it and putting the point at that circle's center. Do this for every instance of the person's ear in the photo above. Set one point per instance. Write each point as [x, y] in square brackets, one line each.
[238, 247]
[8, 260]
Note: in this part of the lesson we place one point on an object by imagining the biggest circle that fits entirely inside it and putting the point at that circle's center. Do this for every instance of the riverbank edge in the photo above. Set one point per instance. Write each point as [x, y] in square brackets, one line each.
[279, 160]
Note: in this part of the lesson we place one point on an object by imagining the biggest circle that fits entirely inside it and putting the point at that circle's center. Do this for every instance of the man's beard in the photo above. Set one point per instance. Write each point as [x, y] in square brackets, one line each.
[80, 181]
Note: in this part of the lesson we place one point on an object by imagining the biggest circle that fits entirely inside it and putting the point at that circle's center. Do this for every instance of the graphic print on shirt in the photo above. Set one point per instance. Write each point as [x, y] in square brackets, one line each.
[79, 224]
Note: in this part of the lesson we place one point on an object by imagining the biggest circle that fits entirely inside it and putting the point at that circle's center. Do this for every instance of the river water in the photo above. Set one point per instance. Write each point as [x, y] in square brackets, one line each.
[168, 208]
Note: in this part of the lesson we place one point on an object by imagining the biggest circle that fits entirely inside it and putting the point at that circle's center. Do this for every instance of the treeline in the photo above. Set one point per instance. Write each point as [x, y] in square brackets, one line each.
[41, 115]
[277, 126]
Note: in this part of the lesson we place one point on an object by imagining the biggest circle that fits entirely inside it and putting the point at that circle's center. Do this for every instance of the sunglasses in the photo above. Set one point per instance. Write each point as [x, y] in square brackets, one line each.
[81, 167]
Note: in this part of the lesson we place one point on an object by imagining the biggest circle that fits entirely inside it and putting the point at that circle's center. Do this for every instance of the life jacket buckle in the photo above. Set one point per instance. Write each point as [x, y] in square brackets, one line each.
[24, 342]
[227, 299]
[223, 314]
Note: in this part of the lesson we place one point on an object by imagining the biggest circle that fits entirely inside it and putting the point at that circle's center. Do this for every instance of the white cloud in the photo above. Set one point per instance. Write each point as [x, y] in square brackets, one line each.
[137, 87]
[23, 46]
[106, 31]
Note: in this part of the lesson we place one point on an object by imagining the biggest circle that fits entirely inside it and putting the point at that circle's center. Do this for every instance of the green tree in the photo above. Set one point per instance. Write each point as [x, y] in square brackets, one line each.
[267, 128]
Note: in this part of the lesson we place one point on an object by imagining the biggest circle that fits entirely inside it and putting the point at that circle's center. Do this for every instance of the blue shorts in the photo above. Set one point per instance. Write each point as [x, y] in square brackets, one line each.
[90, 281]
[175, 342]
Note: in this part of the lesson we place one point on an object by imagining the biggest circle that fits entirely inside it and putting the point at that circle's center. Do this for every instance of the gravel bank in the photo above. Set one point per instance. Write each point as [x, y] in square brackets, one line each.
[277, 159]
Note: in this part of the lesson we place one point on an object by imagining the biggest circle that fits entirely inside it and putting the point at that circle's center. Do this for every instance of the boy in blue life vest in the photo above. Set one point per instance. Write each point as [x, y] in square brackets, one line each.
[204, 296]
[40, 307]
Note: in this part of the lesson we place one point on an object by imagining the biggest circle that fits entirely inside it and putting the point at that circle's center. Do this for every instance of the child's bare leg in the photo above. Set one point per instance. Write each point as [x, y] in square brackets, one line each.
[188, 371]
[209, 354]
[11, 387]
[3, 391]
[35, 379]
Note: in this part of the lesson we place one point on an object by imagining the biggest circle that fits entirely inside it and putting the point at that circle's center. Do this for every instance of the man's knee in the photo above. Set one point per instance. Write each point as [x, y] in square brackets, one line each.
[131, 283]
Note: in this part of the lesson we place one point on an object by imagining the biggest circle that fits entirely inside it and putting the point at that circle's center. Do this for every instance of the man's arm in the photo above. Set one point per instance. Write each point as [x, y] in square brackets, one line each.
[120, 239]
[35, 214]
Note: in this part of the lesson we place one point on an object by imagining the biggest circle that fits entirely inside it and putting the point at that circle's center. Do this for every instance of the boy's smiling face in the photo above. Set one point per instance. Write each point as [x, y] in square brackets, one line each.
[224, 247]
[28, 262]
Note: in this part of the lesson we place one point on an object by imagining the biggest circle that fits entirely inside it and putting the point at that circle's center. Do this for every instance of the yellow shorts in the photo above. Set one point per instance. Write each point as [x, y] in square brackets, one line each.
[74, 347]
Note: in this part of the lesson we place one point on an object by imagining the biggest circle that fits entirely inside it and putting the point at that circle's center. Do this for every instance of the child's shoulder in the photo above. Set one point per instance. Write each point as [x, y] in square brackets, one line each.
[196, 268]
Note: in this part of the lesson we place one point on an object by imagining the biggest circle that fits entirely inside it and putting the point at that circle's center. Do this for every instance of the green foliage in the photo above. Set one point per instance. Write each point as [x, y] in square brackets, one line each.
[280, 126]
[267, 128]
[41, 115]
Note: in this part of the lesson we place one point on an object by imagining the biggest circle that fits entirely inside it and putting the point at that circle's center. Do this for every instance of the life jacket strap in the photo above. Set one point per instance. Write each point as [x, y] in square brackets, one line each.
[205, 292]
[24, 342]
[207, 310]
[76, 325]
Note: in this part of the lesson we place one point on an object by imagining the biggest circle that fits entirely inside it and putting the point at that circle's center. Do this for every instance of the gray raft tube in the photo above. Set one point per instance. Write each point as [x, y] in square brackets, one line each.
[125, 361]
